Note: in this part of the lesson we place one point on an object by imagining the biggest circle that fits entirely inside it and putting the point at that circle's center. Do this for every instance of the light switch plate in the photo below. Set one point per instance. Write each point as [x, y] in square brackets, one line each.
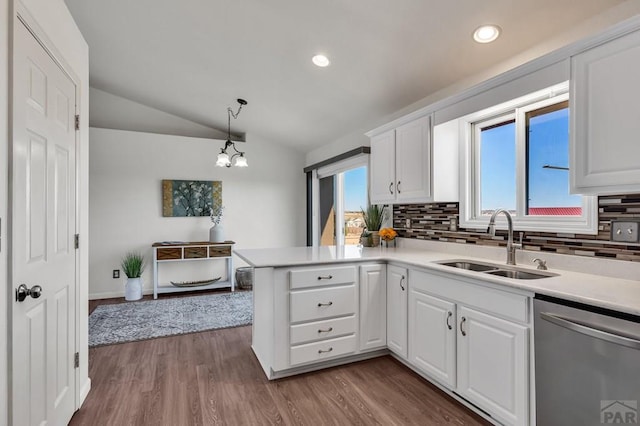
[624, 231]
[407, 223]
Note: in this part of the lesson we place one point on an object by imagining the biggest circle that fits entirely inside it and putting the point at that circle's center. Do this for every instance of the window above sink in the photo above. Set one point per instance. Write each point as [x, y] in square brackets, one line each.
[515, 156]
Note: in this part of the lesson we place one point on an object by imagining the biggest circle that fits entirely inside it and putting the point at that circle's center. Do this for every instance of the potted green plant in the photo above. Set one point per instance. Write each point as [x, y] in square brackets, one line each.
[373, 218]
[133, 265]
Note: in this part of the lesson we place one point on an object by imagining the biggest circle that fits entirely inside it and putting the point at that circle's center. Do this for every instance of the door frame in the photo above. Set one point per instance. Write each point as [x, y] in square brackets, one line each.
[21, 16]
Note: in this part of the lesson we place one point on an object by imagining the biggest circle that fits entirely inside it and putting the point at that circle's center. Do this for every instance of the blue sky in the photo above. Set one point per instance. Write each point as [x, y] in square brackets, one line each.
[548, 144]
[355, 189]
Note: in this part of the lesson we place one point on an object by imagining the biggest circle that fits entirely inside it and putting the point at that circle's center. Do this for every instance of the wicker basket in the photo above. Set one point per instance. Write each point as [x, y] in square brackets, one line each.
[244, 278]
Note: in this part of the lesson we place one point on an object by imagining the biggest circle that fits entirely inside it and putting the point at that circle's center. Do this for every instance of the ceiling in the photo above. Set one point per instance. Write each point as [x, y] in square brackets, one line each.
[193, 58]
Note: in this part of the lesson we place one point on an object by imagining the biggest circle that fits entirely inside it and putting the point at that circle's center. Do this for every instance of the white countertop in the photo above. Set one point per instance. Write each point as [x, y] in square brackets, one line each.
[614, 293]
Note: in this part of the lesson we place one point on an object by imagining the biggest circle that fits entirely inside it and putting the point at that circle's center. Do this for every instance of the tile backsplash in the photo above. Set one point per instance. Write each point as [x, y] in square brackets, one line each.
[431, 222]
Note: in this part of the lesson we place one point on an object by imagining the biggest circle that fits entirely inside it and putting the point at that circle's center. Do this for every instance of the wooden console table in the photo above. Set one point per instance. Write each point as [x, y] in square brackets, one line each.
[191, 251]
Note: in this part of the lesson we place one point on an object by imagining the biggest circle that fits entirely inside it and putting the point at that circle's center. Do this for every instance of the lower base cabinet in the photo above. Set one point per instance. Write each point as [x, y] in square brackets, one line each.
[481, 356]
[492, 365]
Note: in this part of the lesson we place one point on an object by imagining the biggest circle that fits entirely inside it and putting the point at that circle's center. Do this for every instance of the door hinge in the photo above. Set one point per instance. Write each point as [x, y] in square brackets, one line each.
[77, 122]
[76, 360]
[76, 241]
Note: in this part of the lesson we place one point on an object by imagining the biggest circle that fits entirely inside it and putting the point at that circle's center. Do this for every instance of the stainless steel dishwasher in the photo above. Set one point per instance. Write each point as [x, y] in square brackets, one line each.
[587, 364]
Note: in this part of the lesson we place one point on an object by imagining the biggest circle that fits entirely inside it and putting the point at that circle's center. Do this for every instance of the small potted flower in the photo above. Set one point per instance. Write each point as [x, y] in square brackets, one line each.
[388, 235]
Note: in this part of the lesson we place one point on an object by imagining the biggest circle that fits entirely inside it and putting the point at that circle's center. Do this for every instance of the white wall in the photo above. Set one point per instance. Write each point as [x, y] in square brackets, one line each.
[57, 27]
[109, 111]
[4, 150]
[592, 26]
[264, 203]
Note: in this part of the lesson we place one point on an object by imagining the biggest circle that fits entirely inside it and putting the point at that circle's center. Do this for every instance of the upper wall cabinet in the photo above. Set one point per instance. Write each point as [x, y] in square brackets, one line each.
[605, 125]
[403, 168]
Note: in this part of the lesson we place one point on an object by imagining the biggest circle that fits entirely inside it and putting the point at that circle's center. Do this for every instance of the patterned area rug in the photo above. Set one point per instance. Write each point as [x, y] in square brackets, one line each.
[129, 322]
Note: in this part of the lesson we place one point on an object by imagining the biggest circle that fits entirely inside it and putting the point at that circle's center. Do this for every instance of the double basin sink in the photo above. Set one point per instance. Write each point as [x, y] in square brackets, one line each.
[498, 270]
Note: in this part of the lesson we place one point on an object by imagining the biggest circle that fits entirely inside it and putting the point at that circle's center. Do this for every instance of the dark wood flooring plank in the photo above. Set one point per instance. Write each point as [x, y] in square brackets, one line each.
[213, 378]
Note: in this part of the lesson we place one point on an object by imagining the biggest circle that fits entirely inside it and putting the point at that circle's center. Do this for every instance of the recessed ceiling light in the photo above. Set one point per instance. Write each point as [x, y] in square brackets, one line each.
[486, 33]
[321, 60]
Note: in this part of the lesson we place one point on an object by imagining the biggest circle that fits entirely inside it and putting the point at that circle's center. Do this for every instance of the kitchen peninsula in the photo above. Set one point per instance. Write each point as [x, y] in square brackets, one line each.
[316, 307]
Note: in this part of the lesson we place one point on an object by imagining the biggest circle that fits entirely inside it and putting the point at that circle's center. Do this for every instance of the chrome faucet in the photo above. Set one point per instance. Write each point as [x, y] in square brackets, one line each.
[511, 246]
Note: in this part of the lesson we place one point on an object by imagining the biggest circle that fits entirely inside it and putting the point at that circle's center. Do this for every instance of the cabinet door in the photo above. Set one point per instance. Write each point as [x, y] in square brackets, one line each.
[413, 161]
[397, 310]
[492, 365]
[432, 336]
[382, 173]
[605, 153]
[373, 307]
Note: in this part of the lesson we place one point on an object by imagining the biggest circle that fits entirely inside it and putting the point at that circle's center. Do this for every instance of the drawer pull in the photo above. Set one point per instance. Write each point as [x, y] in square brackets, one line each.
[320, 351]
[324, 304]
[449, 315]
[328, 330]
[327, 277]
[464, 333]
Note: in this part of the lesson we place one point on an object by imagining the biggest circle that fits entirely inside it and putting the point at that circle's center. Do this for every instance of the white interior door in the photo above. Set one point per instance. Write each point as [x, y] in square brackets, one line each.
[42, 236]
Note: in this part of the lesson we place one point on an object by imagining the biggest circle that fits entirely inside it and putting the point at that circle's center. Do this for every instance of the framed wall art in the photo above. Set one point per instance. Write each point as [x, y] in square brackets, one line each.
[183, 198]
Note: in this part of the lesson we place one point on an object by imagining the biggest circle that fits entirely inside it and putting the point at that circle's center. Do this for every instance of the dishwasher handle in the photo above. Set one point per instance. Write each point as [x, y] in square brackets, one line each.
[591, 331]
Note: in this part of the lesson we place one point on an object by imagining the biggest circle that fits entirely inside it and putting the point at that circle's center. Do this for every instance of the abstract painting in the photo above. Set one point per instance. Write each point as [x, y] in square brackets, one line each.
[190, 197]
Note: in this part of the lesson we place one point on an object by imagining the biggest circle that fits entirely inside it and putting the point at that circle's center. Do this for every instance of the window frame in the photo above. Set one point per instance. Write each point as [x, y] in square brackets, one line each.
[470, 128]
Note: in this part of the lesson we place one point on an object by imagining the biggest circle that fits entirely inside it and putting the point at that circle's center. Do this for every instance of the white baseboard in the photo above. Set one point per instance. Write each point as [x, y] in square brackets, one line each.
[113, 294]
[84, 391]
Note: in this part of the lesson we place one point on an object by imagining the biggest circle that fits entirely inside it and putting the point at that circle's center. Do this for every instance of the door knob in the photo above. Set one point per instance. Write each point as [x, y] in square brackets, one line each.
[23, 291]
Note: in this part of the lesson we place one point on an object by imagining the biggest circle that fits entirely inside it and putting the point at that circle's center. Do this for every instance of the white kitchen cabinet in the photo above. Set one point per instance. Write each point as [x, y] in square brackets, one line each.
[382, 173]
[432, 336]
[373, 307]
[493, 365]
[604, 148]
[401, 164]
[397, 310]
[472, 339]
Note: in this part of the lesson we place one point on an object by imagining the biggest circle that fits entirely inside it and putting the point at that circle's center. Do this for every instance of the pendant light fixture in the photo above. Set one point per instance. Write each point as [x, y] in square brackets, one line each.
[237, 158]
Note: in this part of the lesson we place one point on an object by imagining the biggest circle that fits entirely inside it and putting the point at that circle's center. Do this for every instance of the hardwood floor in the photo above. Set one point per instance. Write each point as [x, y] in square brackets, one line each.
[213, 378]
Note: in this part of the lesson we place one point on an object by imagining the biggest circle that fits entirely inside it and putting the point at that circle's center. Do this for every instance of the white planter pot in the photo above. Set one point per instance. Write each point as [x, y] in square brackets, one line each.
[133, 289]
[216, 234]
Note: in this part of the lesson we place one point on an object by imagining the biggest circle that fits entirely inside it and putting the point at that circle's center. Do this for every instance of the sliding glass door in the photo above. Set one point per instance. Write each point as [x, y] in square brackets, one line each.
[340, 193]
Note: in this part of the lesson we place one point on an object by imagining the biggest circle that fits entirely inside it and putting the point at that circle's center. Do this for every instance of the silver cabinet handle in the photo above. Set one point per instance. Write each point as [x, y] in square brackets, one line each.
[449, 314]
[398, 187]
[401, 286]
[328, 330]
[391, 186]
[320, 351]
[324, 304]
[464, 333]
[590, 330]
[325, 277]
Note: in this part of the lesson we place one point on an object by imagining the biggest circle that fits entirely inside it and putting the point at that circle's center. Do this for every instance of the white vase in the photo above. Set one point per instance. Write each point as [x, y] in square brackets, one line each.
[216, 234]
[133, 289]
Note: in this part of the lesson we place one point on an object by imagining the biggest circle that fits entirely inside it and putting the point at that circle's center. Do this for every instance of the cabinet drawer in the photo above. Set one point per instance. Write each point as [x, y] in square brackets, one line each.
[313, 277]
[325, 349]
[219, 251]
[307, 305]
[326, 329]
[195, 252]
[169, 253]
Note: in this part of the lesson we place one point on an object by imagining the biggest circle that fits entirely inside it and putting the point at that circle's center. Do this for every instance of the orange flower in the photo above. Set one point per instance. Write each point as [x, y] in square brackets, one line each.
[388, 234]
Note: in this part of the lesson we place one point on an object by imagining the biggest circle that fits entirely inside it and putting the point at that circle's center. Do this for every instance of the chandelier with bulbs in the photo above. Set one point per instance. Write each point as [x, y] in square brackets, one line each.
[237, 157]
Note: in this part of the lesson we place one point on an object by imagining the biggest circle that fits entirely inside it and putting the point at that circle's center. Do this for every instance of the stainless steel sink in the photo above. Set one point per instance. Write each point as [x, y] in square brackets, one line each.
[498, 270]
[518, 274]
[471, 266]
